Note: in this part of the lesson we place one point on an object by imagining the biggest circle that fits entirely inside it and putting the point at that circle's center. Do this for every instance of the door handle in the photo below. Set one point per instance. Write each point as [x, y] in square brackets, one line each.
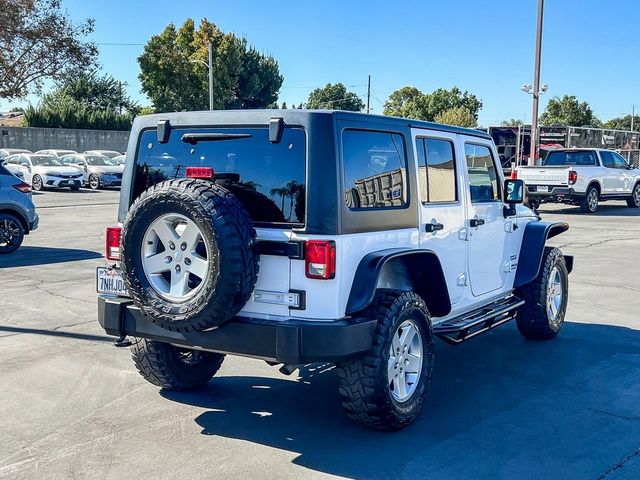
[433, 227]
[476, 222]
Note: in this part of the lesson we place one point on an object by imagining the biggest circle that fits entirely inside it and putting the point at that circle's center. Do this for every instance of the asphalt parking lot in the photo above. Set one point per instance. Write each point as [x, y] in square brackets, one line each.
[501, 407]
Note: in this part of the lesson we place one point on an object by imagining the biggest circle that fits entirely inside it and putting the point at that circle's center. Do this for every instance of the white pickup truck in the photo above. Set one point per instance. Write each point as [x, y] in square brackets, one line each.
[582, 177]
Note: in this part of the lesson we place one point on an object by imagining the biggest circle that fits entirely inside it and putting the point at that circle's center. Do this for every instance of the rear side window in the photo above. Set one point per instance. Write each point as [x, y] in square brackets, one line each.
[436, 170]
[268, 178]
[374, 169]
[557, 159]
[483, 179]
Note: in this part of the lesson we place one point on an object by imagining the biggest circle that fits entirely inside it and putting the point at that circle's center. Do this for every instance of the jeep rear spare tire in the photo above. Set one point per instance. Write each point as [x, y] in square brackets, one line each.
[189, 254]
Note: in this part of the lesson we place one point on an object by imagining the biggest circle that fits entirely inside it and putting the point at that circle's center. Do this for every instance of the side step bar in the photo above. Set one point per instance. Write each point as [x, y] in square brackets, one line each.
[456, 330]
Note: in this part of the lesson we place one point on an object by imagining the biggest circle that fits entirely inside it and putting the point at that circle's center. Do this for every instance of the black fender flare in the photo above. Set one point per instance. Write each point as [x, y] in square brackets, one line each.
[426, 274]
[534, 240]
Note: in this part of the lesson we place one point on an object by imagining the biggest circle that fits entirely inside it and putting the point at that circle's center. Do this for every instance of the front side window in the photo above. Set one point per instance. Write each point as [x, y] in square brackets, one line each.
[619, 161]
[436, 170]
[483, 178]
[267, 178]
[374, 172]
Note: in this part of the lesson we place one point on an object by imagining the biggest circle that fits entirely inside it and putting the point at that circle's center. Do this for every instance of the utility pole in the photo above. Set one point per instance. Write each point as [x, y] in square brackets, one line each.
[368, 94]
[536, 85]
[633, 115]
[210, 50]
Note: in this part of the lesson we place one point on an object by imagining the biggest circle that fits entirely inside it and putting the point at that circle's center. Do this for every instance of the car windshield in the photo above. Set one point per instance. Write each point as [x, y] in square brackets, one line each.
[557, 159]
[98, 161]
[46, 161]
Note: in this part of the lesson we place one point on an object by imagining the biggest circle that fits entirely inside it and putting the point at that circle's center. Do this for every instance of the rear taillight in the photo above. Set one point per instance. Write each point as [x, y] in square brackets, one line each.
[112, 250]
[514, 174]
[573, 177]
[23, 187]
[320, 259]
[205, 173]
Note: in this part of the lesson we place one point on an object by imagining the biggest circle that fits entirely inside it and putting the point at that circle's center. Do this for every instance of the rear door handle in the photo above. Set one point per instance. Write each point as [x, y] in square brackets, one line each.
[476, 222]
[433, 227]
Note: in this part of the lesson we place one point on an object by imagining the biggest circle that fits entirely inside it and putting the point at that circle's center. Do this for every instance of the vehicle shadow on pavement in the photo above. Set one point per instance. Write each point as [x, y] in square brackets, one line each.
[29, 256]
[620, 210]
[500, 407]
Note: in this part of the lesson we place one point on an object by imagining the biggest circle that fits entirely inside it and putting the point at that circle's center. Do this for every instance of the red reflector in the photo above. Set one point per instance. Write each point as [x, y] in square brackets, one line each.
[113, 243]
[23, 187]
[514, 174]
[320, 259]
[200, 172]
[573, 177]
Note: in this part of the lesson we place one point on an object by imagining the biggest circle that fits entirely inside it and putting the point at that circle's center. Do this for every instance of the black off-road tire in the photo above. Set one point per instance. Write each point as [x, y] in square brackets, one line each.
[532, 319]
[585, 206]
[173, 368]
[14, 224]
[363, 383]
[229, 236]
[634, 200]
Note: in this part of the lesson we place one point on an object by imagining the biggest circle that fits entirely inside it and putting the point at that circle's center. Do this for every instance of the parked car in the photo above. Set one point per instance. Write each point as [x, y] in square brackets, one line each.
[56, 152]
[98, 170]
[18, 215]
[7, 152]
[372, 235]
[119, 160]
[584, 177]
[45, 171]
[106, 153]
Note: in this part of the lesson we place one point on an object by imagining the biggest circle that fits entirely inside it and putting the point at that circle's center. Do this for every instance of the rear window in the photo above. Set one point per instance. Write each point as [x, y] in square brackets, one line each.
[557, 159]
[268, 178]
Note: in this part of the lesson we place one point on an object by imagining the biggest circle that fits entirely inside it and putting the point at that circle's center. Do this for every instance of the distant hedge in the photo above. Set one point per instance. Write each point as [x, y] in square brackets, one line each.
[74, 115]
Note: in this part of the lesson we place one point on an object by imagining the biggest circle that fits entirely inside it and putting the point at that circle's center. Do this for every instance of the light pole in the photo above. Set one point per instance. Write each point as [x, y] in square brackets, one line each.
[536, 85]
[209, 66]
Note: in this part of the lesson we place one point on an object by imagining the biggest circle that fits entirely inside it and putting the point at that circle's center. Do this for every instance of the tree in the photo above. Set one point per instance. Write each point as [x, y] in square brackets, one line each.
[409, 102]
[514, 122]
[284, 106]
[334, 97]
[459, 116]
[174, 72]
[38, 40]
[568, 111]
[84, 100]
[623, 123]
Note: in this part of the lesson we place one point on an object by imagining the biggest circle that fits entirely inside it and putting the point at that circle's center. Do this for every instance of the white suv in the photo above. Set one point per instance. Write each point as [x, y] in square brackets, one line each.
[319, 236]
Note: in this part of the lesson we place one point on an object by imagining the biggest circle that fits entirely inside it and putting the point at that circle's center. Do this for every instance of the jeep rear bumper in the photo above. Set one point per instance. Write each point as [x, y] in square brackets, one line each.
[293, 342]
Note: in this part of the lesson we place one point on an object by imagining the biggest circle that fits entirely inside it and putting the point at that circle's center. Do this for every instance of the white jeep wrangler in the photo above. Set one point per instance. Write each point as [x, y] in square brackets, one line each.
[317, 236]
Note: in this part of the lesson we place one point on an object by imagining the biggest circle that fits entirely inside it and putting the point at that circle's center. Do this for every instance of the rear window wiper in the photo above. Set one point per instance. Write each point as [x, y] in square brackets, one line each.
[193, 138]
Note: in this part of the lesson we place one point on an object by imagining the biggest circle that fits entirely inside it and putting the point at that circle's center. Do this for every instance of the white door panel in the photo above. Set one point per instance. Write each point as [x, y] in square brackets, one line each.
[448, 242]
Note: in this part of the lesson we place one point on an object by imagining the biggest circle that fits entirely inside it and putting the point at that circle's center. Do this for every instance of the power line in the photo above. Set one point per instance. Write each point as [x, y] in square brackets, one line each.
[121, 44]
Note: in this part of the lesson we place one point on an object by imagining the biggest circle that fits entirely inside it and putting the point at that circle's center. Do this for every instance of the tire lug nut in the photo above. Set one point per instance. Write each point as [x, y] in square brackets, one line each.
[183, 247]
[172, 246]
[168, 259]
[178, 269]
[187, 261]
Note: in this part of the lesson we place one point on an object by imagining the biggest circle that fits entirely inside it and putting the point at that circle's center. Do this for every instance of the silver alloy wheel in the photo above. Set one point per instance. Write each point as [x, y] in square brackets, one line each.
[94, 182]
[636, 195]
[36, 182]
[592, 200]
[554, 295]
[405, 360]
[9, 232]
[175, 257]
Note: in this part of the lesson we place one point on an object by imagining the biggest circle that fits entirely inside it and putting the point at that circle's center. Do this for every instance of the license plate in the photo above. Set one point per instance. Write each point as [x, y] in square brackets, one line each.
[109, 280]
[543, 189]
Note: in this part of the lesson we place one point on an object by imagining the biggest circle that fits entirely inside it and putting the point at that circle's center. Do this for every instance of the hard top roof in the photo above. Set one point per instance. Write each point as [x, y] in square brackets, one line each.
[292, 116]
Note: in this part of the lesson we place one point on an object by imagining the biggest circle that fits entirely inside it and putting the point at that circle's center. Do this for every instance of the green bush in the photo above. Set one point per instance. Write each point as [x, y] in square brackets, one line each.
[66, 113]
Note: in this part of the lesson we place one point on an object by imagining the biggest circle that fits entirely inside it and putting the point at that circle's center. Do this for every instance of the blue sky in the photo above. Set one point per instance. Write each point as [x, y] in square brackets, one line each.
[590, 47]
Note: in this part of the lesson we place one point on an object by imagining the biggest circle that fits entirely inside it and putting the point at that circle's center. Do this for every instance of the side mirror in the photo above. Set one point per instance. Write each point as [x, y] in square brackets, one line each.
[513, 191]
